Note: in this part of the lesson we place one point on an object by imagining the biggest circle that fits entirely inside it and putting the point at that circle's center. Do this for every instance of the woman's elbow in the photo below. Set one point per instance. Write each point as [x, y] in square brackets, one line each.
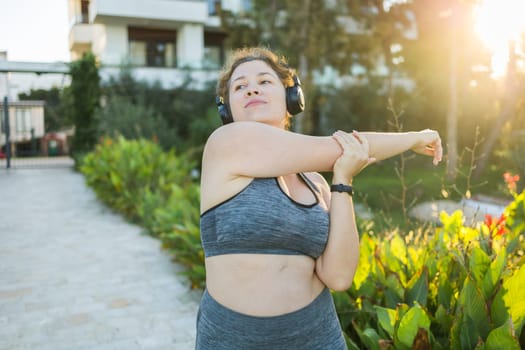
[340, 285]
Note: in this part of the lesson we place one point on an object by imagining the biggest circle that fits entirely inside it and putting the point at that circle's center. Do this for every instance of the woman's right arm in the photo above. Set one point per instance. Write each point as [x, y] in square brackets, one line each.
[252, 149]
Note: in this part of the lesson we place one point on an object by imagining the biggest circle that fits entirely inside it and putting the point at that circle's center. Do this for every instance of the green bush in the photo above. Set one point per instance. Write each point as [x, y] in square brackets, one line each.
[121, 116]
[454, 288]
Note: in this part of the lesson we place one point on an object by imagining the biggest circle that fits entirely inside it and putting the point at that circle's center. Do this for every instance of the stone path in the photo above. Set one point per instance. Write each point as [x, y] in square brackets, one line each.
[73, 275]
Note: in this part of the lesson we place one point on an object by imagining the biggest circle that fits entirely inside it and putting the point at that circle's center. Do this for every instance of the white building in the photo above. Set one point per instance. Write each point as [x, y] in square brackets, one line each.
[26, 121]
[162, 40]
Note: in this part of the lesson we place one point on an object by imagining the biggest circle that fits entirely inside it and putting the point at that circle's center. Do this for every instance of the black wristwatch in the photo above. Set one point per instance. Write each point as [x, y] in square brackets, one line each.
[342, 188]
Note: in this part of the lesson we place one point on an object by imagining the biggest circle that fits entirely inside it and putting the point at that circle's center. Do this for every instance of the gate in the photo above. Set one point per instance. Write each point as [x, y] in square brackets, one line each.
[27, 150]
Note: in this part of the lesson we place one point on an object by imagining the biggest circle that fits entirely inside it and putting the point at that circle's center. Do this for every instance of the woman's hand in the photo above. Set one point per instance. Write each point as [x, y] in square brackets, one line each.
[429, 143]
[354, 157]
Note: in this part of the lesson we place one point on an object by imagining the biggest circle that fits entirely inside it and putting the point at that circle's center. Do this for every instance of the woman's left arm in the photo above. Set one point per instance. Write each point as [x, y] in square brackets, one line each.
[337, 265]
[386, 145]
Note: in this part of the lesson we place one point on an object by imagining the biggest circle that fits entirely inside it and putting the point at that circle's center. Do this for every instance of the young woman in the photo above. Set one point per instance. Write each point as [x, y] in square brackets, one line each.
[276, 236]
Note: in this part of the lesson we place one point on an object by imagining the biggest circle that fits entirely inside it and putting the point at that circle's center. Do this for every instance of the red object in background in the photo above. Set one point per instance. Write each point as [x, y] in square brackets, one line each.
[2, 155]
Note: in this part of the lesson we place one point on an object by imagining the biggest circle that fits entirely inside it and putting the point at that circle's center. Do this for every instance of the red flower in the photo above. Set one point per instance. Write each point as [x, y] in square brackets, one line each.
[488, 220]
[498, 227]
[511, 180]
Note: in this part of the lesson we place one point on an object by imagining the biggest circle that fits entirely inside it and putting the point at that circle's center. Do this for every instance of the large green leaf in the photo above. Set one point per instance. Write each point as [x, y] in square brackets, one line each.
[369, 337]
[498, 310]
[410, 323]
[472, 309]
[479, 263]
[493, 275]
[417, 288]
[366, 254]
[387, 319]
[515, 297]
[501, 338]
[399, 249]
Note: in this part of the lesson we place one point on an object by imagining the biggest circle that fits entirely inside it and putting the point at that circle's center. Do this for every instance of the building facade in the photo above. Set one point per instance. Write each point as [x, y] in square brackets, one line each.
[161, 40]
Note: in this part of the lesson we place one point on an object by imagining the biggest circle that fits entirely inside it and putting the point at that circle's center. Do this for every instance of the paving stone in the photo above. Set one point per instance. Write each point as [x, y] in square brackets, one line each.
[76, 276]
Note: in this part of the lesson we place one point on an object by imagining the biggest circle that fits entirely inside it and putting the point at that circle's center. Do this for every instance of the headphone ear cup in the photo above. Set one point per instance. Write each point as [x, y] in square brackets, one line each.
[295, 97]
[224, 111]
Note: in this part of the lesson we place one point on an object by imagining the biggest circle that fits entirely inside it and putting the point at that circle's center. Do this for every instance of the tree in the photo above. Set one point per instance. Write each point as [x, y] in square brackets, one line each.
[508, 110]
[308, 33]
[85, 92]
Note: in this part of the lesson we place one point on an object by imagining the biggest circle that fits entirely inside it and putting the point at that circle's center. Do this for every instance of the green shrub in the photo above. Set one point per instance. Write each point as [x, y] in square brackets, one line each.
[454, 288]
[123, 172]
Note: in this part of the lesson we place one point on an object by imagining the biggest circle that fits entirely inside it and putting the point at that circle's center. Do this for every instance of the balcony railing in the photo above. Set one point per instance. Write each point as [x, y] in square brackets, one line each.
[173, 11]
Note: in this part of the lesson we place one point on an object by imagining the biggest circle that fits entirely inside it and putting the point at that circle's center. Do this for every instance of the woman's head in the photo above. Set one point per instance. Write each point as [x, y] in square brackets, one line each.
[243, 61]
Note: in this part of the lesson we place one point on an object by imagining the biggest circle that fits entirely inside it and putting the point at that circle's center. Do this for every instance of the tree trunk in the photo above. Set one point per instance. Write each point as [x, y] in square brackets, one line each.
[302, 121]
[452, 111]
[507, 111]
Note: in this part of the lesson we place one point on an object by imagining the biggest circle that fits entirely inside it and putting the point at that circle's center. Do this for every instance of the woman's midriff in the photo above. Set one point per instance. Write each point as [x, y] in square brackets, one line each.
[262, 284]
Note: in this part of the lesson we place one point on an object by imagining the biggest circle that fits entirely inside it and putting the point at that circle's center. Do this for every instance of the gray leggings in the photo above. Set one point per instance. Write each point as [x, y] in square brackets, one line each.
[313, 327]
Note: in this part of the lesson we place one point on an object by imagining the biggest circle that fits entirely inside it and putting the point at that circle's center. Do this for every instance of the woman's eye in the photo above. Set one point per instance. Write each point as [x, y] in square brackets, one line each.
[265, 82]
[239, 87]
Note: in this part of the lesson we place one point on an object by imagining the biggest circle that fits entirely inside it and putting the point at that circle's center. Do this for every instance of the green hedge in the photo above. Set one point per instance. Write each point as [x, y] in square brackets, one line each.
[453, 287]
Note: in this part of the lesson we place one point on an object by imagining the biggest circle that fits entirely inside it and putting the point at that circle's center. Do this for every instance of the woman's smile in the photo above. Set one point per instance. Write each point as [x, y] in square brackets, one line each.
[255, 102]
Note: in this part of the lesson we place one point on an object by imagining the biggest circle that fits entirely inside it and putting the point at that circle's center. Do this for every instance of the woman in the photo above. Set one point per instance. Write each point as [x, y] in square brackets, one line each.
[276, 236]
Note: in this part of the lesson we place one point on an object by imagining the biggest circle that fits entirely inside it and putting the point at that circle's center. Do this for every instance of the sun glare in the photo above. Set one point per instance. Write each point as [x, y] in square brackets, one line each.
[498, 22]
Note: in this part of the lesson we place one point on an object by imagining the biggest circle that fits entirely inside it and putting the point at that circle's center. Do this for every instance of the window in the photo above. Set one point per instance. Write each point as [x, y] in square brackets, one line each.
[214, 7]
[152, 47]
[23, 119]
[84, 11]
[213, 50]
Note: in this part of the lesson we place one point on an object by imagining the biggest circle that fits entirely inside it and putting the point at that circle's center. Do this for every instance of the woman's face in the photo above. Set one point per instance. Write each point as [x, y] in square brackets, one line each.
[257, 94]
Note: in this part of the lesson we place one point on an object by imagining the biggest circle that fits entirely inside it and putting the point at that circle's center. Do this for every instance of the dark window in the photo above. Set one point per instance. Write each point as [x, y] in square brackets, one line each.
[152, 47]
[84, 11]
[214, 7]
[213, 49]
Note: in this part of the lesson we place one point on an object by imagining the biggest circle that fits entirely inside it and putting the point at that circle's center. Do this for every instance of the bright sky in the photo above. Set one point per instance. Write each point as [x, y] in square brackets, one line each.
[34, 30]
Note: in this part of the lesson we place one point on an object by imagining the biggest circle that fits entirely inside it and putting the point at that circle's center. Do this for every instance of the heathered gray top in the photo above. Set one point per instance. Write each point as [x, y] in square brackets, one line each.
[263, 219]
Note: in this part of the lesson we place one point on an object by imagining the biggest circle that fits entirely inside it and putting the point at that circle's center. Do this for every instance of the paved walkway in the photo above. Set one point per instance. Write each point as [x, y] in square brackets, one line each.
[73, 275]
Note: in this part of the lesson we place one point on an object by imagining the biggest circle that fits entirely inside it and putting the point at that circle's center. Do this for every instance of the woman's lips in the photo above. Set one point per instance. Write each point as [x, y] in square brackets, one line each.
[254, 103]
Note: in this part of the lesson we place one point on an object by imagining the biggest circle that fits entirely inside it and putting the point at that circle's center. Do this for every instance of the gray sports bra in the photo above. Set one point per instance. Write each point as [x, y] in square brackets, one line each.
[263, 219]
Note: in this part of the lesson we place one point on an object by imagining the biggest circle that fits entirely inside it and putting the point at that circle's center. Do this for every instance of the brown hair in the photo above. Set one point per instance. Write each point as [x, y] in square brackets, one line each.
[239, 56]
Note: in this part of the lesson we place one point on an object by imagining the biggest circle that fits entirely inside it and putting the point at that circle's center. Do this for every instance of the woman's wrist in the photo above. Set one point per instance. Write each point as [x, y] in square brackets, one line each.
[344, 180]
[340, 188]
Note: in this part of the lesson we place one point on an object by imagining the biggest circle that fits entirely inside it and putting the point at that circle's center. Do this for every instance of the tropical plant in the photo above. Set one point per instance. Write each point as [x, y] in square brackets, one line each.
[453, 288]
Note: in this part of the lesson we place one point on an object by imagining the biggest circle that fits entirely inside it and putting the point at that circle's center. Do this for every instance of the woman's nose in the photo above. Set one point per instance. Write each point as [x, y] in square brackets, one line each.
[252, 91]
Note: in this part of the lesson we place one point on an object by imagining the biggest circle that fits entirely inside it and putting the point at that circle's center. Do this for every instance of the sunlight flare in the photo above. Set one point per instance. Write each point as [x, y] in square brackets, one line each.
[498, 22]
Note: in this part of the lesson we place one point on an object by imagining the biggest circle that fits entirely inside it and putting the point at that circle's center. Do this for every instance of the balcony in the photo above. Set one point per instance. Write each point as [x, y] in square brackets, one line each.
[80, 35]
[139, 12]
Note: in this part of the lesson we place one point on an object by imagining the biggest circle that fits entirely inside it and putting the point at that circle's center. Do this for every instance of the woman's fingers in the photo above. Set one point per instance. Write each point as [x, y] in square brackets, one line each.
[355, 153]
[430, 145]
